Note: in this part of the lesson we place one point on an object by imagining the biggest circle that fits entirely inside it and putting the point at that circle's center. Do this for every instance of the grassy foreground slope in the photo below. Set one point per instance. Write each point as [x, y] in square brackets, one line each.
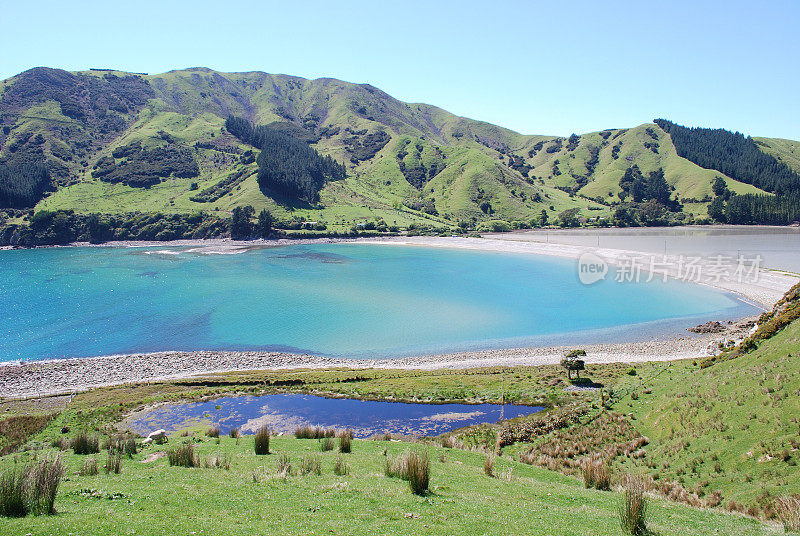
[150, 497]
[727, 425]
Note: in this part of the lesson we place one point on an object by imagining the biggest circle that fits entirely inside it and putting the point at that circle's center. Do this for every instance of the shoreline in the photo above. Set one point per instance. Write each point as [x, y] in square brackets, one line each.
[68, 376]
[79, 374]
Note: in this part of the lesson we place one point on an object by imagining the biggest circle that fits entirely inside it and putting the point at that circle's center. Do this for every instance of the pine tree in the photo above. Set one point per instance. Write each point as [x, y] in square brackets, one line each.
[264, 225]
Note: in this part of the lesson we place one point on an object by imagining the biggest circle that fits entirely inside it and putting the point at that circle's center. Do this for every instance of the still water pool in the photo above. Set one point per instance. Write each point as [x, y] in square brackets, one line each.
[287, 412]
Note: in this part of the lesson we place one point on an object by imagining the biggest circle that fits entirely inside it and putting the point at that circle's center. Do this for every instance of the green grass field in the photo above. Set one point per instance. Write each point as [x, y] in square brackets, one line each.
[150, 497]
[731, 428]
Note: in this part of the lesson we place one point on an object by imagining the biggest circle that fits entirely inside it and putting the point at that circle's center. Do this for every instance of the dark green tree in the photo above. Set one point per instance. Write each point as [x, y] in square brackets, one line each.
[716, 209]
[241, 227]
[264, 225]
[719, 187]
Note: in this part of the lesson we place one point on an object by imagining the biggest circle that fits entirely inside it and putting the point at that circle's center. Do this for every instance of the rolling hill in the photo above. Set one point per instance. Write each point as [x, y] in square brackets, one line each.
[116, 142]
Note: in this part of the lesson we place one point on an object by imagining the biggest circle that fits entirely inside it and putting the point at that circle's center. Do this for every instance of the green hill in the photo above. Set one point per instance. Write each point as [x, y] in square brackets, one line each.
[406, 163]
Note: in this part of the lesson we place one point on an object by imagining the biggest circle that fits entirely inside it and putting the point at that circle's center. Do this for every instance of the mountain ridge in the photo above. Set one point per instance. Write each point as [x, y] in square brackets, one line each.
[407, 163]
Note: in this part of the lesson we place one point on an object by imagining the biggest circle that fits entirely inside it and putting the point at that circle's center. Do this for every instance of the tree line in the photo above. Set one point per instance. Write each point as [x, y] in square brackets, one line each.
[734, 155]
[756, 209]
[286, 166]
[23, 185]
[64, 226]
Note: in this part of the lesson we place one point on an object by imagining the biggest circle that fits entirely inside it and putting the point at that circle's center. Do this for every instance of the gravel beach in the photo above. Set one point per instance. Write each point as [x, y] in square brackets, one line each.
[19, 380]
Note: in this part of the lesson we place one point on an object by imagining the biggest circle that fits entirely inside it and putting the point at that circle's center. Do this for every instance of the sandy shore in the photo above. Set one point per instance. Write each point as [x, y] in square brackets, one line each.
[70, 375]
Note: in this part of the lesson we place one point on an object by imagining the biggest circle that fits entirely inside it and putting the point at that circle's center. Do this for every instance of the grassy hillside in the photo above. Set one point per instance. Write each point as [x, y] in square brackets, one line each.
[721, 427]
[787, 151]
[149, 496]
[407, 163]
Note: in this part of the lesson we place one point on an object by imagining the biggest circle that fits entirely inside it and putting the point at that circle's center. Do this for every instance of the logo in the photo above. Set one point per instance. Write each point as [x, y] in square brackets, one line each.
[591, 268]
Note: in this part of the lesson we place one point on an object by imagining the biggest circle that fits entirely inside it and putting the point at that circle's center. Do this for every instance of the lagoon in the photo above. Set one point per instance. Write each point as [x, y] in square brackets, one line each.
[340, 300]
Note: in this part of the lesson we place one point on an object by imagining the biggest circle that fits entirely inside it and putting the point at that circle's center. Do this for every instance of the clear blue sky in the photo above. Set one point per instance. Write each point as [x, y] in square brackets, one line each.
[551, 67]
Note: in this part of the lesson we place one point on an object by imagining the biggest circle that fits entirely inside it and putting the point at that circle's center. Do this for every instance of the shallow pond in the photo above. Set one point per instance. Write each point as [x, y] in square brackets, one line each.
[287, 412]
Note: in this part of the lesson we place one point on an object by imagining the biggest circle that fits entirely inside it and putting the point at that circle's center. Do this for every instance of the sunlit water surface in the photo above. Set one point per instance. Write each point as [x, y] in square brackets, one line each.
[362, 300]
[284, 413]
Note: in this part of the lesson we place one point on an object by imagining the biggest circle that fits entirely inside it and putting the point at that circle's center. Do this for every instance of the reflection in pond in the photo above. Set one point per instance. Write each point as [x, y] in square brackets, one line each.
[286, 412]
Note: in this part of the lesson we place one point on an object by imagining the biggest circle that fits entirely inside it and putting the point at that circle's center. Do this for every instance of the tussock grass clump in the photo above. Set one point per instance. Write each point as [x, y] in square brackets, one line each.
[261, 441]
[61, 443]
[340, 467]
[418, 467]
[284, 466]
[310, 463]
[12, 494]
[213, 431]
[89, 467]
[451, 442]
[183, 456]
[31, 490]
[123, 443]
[83, 443]
[235, 433]
[596, 474]
[114, 462]
[345, 442]
[488, 465]
[413, 466]
[326, 444]
[260, 474]
[788, 510]
[129, 447]
[507, 475]
[633, 510]
[314, 432]
[221, 461]
[385, 436]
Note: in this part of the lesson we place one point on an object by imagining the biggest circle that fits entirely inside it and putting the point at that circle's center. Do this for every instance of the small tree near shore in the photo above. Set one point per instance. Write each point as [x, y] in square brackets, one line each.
[572, 361]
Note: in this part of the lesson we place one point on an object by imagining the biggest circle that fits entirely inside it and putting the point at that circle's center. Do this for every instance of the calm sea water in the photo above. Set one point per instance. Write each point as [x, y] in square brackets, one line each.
[338, 299]
[778, 247]
[287, 412]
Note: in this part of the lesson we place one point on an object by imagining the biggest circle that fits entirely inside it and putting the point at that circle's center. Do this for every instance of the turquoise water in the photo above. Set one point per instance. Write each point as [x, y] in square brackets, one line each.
[288, 412]
[335, 299]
